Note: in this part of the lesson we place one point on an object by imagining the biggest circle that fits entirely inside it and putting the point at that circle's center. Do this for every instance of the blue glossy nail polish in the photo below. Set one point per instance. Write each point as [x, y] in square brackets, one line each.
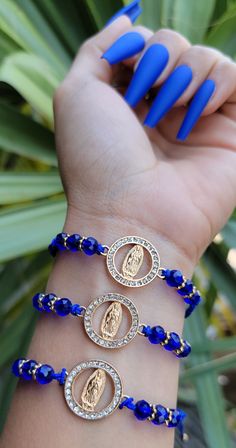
[133, 11]
[126, 46]
[168, 94]
[197, 105]
[149, 69]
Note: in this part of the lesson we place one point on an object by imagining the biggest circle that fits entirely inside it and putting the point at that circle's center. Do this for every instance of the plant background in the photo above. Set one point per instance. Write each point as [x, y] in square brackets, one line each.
[38, 40]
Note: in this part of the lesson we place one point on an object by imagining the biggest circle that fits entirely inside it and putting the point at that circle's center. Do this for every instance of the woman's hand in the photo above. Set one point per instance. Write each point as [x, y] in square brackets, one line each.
[114, 167]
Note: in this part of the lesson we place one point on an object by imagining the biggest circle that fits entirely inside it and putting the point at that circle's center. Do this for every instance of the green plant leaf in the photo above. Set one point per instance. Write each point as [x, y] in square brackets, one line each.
[33, 79]
[222, 35]
[71, 21]
[23, 136]
[28, 229]
[23, 29]
[229, 233]
[102, 10]
[210, 400]
[221, 273]
[192, 18]
[20, 187]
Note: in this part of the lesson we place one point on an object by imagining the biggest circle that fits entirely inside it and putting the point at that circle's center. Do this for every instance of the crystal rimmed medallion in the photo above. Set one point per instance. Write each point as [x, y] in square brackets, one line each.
[133, 261]
[111, 321]
[85, 406]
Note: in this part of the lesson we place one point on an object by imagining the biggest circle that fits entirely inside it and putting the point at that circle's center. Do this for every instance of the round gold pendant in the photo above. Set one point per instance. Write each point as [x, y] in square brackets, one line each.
[111, 320]
[87, 403]
[133, 261]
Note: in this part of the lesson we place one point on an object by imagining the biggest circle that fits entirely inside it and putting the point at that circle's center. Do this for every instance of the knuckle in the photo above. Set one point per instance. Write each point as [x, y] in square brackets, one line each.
[167, 34]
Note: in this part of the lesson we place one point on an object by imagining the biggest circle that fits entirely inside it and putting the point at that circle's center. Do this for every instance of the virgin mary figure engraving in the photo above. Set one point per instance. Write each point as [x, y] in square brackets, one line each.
[93, 390]
[111, 321]
[132, 262]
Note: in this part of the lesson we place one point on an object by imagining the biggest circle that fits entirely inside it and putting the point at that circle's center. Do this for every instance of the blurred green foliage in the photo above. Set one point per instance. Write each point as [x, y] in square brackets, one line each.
[38, 41]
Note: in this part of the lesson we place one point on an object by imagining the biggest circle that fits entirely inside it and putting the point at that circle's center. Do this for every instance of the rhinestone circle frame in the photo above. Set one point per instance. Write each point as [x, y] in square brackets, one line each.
[75, 407]
[111, 343]
[135, 283]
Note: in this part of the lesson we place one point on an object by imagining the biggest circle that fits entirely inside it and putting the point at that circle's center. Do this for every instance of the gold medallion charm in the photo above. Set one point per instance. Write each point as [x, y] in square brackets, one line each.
[85, 406]
[93, 390]
[111, 320]
[133, 261]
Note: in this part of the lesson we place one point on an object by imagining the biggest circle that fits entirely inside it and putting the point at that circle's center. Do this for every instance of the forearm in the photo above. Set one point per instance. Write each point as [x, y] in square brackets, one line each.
[40, 413]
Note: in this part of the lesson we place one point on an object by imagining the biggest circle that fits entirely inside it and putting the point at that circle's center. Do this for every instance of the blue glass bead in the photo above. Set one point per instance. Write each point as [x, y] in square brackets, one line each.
[177, 416]
[15, 366]
[174, 342]
[76, 310]
[173, 278]
[157, 335]
[187, 289]
[73, 242]
[128, 402]
[196, 298]
[142, 410]
[44, 374]
[35, 301]
[27, 368]
[147, 331]
[100, 249]
[52, 248]
[60, 241]
[161, 415]
[186, 351]
[89, 246]
[46, 302]
[63, 307]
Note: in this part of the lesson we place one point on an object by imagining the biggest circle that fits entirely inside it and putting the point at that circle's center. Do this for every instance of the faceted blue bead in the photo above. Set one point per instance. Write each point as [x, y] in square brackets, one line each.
[147, 330]
[73, 242]
[187, 289]
[142, 410]
[52, 248]
[157, 335]
[15, 366]
[76, 309]
[46, 302]
[128, 402]
[89, 246]
[161, 415]
[186, 351]
[174, 278]
[174, 342]
[63, 306]
[35, 301]
[196, 298]
[176, 417]
[27, 368]
[44, 374]
[100, 249]
[60, 241]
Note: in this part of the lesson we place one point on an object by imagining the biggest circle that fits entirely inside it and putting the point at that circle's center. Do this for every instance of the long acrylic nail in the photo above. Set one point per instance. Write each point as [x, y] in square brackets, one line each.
[149, 69]
[124, 47]
[197, 105]
[133, 11]
[168, 94]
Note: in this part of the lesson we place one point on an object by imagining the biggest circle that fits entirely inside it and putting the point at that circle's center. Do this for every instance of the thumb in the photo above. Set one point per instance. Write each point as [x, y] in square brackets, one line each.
[88, 61]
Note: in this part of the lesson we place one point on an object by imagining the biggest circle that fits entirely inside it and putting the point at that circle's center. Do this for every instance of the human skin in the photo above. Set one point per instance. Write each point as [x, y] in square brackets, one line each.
[123, 179]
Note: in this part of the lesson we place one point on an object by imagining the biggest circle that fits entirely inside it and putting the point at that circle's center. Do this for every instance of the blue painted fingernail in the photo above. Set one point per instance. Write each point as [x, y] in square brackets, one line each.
[126, 46]
[149, 69]
[197, 105]
[133, 11]
[168, 94]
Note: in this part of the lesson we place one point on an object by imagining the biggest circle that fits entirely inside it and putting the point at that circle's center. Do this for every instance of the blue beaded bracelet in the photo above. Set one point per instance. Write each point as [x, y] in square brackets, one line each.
[127, 274]
[85, 406]
[111, 321]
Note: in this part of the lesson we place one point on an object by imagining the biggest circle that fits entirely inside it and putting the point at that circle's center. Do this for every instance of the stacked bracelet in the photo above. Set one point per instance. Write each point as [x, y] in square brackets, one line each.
[127, 275]
[85, 406]
[107, 337]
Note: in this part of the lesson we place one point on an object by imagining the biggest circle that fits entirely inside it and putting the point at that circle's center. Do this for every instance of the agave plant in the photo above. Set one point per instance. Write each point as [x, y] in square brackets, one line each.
[38, 41]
